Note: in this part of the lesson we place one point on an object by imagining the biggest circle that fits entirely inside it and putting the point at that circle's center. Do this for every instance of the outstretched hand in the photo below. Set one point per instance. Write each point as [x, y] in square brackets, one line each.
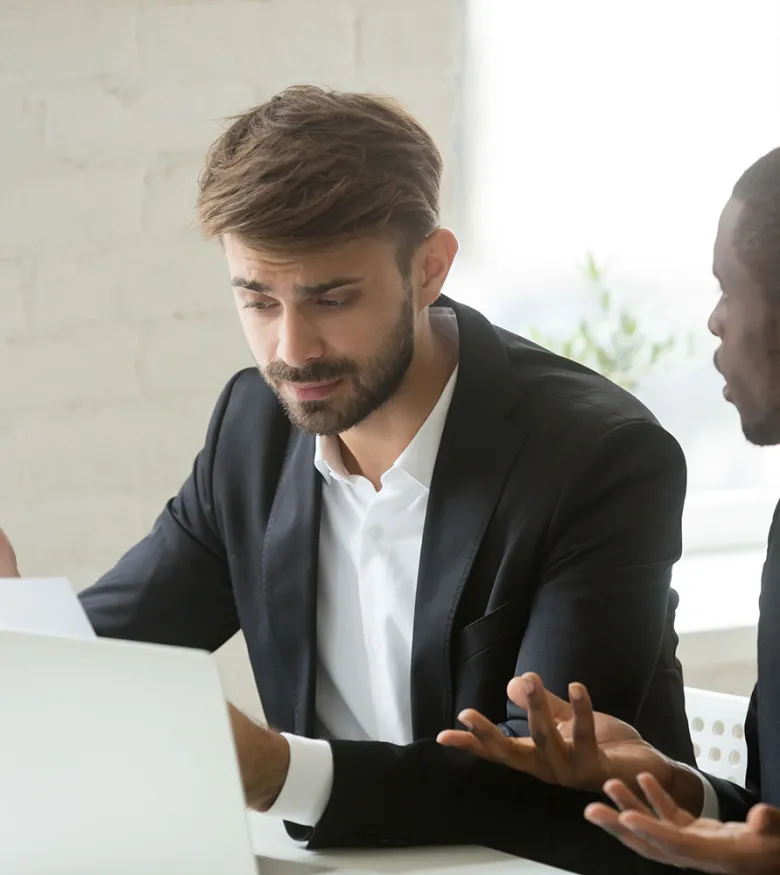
[570, 745]
[665, 832]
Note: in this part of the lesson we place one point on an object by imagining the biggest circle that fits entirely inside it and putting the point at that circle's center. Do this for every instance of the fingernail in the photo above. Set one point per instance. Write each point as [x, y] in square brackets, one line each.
[467, 723]
[575, 692]
[530, 686]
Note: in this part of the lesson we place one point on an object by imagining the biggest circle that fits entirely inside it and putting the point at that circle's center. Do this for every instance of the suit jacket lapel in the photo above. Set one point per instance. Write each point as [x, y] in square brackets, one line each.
[290, 557]
[478, 448]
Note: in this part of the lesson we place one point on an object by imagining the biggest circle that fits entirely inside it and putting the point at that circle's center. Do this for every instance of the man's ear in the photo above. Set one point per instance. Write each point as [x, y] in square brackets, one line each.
[432, 263]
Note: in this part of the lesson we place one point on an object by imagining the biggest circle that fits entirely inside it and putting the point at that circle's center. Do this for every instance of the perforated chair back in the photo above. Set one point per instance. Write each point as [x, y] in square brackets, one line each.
[717, 724]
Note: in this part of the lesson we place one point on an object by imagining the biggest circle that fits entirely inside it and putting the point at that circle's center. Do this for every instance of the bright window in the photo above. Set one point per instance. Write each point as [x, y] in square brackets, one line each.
[620, 128]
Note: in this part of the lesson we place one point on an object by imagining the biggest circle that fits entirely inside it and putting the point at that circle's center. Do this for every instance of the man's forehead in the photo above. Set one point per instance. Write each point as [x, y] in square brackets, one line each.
[729, 218]
[729, 265]
[723, 250]
[356, 249]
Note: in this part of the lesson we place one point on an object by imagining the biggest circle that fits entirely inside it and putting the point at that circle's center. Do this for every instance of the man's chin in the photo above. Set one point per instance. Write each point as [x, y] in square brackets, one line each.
[764, 432]
[321, 418]
[312, 417]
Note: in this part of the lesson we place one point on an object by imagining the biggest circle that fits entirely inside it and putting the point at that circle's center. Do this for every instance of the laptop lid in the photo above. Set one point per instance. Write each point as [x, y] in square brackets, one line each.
[116, 758]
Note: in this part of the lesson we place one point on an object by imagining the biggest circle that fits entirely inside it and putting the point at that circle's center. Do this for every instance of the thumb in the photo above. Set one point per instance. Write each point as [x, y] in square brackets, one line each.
[521, 688]
[764, 819]
[8, 567]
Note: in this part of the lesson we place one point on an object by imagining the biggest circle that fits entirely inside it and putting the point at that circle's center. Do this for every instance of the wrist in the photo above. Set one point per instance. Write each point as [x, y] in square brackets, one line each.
[263, 789]
[263, 760]
[685, 786]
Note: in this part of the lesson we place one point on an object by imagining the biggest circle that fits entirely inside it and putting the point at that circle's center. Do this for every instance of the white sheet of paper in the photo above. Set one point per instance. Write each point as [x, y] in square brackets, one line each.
[44, 606]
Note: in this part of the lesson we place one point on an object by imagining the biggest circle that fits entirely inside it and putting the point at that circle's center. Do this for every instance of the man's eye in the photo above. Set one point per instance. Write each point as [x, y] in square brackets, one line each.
[331, 302]
[259, 305]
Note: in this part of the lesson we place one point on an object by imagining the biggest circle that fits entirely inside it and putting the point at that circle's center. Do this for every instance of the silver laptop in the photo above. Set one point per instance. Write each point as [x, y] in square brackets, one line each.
[117, 758]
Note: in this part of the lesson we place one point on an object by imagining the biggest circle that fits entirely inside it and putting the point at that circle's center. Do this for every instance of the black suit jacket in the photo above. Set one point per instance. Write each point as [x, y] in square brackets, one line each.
[762, 726]
[552, 526]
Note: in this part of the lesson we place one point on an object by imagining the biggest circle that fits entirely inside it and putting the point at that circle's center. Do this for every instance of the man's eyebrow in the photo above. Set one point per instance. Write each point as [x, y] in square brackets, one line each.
[241, 283]
[329, 286]
[301, 291]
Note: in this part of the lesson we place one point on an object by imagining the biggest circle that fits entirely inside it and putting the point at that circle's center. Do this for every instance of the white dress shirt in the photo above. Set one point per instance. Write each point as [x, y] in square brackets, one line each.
[711, 805]
[369, 557]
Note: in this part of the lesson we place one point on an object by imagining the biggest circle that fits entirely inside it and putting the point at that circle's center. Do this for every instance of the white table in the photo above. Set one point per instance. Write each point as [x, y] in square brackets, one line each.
[278, 854]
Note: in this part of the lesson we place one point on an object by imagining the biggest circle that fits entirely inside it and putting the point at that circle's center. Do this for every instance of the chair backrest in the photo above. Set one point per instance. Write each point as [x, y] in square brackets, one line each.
[717, 723]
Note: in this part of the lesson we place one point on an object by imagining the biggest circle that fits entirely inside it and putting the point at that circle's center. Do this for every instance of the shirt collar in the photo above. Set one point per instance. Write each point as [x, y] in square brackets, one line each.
[327, 458]
[417, 460]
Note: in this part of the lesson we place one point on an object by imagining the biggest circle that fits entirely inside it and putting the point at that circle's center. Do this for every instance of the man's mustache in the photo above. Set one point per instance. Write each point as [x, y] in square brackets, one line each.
[316, 372]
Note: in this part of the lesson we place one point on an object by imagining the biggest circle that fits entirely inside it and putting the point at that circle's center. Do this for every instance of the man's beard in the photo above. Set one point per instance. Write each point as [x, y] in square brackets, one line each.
[372, 383]
[765, 433]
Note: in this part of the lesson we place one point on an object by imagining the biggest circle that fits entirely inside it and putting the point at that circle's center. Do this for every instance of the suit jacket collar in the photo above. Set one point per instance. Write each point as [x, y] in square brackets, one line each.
[477, 450]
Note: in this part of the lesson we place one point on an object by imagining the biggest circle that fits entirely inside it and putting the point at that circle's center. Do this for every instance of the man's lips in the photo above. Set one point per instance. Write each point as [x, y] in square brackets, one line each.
[726, 389]
[314, 391]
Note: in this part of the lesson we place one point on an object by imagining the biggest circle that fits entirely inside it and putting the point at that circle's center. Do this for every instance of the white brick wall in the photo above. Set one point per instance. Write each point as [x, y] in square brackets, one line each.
[116, 327]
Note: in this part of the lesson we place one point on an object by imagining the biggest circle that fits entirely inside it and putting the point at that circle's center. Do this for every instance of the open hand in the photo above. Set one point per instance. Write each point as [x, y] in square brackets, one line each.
[666, 833]
[569, 745]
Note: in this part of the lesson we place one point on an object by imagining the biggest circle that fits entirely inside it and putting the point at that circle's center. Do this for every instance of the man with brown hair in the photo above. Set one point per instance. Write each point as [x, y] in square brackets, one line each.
[402, 506]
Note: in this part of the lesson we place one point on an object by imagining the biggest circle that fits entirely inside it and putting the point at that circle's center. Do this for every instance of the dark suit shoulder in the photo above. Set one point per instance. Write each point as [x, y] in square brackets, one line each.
[560, 394]
[247, 387]
[248, 408]
[248, 440]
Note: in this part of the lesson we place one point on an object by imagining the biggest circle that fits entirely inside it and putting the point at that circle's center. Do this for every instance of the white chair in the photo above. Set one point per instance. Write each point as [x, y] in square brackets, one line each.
[717, 724]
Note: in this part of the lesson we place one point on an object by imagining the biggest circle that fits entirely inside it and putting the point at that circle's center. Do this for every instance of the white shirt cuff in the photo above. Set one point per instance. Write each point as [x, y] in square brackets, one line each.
[711, 806]
[306, 791]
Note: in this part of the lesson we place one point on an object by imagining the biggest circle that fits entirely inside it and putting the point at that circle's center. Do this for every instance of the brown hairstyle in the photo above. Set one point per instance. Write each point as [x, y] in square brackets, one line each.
[312, 168]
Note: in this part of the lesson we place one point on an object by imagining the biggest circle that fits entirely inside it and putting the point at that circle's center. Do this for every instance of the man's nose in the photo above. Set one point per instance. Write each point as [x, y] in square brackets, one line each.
[299, 341]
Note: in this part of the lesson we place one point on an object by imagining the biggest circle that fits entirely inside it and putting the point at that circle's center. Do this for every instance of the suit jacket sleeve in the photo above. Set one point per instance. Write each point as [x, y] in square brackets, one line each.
[602, 615]
[425, 794]
[599, 617]
[736, 801]
[173, 587]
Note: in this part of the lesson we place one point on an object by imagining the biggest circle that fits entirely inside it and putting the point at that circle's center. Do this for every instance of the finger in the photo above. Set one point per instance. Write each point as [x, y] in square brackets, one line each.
[460, 739]
[608, 819]
[764, 819]
[518, 688]
[8, 564]
[493, 743]
[601, 814]
[585, 749]
[624, 798]
[543, 727]
[662, 803]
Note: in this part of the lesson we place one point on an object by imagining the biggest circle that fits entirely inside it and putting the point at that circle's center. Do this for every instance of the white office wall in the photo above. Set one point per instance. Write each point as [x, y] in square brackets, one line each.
[116, 327]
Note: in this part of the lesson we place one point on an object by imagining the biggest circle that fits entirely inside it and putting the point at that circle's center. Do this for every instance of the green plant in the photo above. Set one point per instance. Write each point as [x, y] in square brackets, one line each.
[612, 343]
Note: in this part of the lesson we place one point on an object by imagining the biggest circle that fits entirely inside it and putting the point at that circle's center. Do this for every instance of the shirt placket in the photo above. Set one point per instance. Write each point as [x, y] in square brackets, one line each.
[374, 583]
